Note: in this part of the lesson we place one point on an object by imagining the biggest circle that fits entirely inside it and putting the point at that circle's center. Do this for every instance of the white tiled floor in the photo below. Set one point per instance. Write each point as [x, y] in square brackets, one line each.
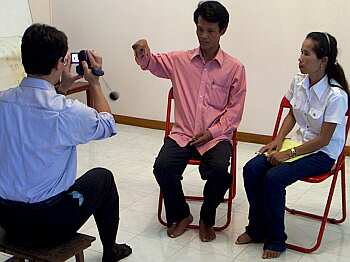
[130, 156]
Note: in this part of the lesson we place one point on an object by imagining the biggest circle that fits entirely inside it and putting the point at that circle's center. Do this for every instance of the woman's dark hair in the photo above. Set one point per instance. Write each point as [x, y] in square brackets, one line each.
[213, 12]
[326, 45]
[42, 47]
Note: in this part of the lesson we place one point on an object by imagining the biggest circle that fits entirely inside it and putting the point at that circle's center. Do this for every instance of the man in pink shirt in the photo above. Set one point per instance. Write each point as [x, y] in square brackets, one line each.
[209, 90]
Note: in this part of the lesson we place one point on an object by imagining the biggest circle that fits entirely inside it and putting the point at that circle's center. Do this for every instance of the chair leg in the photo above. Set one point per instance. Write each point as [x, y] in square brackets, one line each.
[79, 257]
[343, 198]
[160, 208]
[324, 220]
[318, 217]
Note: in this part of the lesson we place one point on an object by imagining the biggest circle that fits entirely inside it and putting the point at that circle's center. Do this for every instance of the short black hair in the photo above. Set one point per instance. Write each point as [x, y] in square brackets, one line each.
[213, 12]
[42, 46]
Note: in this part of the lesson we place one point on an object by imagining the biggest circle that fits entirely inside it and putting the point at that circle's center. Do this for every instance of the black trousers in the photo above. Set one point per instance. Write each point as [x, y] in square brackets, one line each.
[59, 218]
[171, 163]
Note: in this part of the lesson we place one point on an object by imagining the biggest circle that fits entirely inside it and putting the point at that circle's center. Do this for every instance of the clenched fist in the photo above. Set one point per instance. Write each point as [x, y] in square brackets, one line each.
[141, 49]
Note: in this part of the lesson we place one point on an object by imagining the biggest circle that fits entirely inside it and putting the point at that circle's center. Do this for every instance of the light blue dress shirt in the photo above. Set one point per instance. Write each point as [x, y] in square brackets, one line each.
[39, 131]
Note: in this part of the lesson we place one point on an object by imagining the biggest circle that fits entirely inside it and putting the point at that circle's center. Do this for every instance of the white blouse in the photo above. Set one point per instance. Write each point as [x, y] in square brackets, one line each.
[313, 106]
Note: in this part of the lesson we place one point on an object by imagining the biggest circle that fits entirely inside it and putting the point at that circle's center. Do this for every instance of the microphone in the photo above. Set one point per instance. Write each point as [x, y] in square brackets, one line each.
[113, 95]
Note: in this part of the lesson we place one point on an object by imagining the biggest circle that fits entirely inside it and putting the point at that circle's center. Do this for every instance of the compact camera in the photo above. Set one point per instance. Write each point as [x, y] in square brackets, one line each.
[77, 58]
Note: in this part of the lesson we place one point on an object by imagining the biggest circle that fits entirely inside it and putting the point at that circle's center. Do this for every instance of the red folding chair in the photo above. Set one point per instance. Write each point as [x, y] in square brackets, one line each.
[232, 189]
[339, 166]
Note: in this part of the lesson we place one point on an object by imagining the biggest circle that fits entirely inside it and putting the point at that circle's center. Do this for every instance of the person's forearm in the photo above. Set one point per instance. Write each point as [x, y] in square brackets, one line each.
[318, 142]
[100, 103]
[310, 146]
[287, 126]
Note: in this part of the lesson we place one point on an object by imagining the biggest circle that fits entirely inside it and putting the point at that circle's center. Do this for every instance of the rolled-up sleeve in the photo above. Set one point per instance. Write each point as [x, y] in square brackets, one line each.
[79, 124]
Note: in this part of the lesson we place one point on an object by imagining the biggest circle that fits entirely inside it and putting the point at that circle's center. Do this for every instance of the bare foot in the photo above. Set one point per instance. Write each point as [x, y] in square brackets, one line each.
[171, 229]
[206, 233]
[181, 226]
[243, 239]
[268, 254]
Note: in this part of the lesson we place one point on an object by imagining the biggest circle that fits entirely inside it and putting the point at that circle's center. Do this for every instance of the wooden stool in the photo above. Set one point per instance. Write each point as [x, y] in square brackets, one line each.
[74, 247]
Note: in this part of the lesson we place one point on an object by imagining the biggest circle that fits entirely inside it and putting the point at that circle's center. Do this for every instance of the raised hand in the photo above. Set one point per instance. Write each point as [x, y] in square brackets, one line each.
[67, 78]
[96, 62]
[141, 49]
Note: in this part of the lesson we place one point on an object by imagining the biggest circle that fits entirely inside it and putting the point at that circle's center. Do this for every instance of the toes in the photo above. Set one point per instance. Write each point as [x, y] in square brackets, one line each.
[267, 254]
[206, 234]
[170, 230]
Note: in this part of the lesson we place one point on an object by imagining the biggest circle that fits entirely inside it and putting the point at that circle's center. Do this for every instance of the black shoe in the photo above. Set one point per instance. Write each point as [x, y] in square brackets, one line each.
[119, 252]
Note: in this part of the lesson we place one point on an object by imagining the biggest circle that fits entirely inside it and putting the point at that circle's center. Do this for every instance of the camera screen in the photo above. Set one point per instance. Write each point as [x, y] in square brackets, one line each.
[75, 58]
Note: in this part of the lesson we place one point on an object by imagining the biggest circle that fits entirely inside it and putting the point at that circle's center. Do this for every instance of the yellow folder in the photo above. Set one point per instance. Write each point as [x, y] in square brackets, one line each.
[288, 144]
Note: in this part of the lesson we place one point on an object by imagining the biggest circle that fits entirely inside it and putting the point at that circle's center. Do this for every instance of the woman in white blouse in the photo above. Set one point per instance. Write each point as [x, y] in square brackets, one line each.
[319, 98]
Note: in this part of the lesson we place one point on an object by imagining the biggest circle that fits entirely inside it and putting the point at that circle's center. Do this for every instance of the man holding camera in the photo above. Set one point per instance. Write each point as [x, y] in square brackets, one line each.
[209, 91]
[41, 203]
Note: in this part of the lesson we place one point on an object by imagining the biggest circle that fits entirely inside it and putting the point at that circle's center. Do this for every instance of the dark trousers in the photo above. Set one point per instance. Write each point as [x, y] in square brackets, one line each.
[59, 218]
[171, 163]
[265, 188]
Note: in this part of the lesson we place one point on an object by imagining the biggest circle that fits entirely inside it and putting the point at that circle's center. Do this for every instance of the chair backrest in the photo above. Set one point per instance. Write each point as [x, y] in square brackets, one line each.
[168, 113]
[286, 105]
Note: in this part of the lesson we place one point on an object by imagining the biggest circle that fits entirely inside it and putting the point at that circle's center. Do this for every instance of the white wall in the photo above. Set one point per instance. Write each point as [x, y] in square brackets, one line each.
[41, 11]
[14, 17]
[265, 35]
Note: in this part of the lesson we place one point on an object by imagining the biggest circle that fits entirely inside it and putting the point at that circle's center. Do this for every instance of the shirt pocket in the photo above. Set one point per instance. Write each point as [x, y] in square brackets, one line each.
[217, 95]
[315, 118]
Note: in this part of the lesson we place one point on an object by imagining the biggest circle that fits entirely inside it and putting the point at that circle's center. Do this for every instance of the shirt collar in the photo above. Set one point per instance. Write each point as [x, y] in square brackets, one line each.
[319, 88]
[37, 83]
[218, 58]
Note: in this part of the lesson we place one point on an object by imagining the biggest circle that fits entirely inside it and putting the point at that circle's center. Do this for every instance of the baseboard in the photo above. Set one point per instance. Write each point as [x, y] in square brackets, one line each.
[156, 124]
[141, 122]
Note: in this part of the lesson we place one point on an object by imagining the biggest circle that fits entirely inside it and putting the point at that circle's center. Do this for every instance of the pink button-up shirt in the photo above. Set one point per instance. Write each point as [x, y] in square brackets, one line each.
[208, 96]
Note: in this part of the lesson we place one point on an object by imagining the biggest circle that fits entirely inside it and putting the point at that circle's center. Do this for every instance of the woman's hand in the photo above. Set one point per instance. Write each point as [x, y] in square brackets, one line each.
[273, 146]
[277, 158]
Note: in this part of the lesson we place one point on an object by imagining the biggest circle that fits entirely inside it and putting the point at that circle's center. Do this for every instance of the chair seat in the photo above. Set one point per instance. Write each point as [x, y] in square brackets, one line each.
[60, 252]
[194, 162]
[317, 179]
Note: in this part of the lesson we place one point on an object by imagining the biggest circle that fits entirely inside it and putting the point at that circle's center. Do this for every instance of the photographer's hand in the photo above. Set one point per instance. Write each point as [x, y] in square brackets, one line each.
[67, 78]
[100, 103]
[96, 62]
